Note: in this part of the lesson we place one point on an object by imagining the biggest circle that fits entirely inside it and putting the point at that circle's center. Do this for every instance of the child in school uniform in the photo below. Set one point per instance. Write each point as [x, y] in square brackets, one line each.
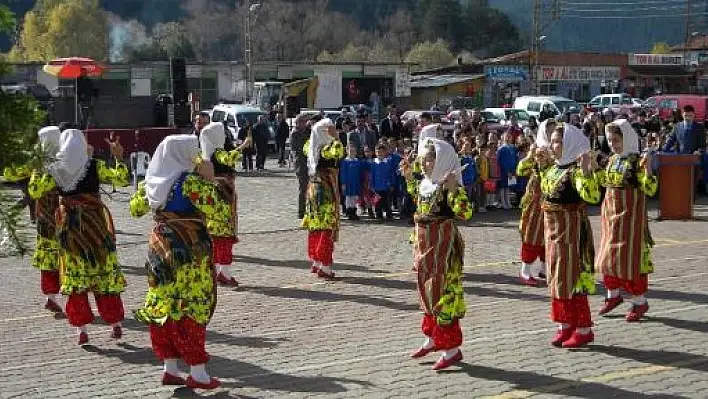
[368, 197]
[395, 158]
[506, 161]
[350, 175]
[469, 174]
[382, 172]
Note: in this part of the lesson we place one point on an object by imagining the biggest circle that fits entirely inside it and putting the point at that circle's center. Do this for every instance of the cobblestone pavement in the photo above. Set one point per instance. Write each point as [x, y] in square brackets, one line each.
[286, 334]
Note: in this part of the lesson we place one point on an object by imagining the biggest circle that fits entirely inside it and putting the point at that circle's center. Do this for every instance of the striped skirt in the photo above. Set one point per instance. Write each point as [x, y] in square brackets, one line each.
[531, 223]
[439, 251]
[625, 235]
[569, 247]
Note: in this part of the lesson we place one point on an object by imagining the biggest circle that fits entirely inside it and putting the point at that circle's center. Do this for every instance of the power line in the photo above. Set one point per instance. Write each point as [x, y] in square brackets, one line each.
[663, 8]
[631, 16]
[637, 3]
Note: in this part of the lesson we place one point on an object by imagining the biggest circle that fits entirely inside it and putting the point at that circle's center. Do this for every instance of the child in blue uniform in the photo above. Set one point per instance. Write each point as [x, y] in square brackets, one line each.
[506, 161]
[382, 172]
[350, 175]
[469, 174]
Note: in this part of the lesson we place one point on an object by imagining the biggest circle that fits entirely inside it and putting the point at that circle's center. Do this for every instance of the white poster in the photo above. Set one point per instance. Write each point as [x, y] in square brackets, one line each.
[140, 88]
[329, 90]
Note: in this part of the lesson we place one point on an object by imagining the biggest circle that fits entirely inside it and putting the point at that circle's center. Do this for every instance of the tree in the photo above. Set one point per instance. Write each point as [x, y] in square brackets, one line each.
[441, 20]
[488, 32]
[661, 48]
[20, 120]
[63, 28]
[399, 33]
[214, 30]
[429, 55]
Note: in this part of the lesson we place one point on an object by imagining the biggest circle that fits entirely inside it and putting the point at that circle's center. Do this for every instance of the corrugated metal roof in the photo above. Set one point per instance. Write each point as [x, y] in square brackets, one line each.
[426, 81]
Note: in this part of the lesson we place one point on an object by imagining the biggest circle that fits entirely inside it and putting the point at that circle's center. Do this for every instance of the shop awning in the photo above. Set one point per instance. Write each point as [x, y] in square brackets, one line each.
[657, 72]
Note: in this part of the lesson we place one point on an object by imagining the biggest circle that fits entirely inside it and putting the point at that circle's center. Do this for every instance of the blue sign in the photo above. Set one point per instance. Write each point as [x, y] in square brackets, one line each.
[508, 73]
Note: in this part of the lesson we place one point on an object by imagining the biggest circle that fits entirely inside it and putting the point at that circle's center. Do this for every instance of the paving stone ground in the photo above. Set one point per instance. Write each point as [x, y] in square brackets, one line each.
[286, 334]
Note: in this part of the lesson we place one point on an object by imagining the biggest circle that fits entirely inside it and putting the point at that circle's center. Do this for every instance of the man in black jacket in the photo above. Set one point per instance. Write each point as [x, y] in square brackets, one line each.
[390, 126]
[261, 135]
[298, 138]
[281, 136]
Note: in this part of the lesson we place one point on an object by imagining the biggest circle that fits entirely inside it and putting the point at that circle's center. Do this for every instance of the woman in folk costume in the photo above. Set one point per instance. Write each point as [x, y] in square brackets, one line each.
[321, 219]
[439, 248]
[46, 253]
[625, 248]
[181, 297]
[531, 224]
[84, 228]
[223, 226]
[567, 186]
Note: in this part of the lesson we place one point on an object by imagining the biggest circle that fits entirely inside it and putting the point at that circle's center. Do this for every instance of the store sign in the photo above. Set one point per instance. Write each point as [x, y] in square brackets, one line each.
[579, 73]
[655, 59]
[506, 73]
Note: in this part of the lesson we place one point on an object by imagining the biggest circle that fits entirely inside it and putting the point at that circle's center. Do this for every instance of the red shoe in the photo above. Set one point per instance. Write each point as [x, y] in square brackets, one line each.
[53, 306]
[83, 338]
[637, 312]
[578, 340]
[194, 384]
[169, 379]
[422, 352]
[531, 282]
[325, 275]
[561, 336]
[117, 332]
[226, 281]
[611, 304]
[443, 363]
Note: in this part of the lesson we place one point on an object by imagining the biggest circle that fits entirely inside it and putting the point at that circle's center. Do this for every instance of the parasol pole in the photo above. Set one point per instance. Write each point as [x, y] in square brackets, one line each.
[76, 101]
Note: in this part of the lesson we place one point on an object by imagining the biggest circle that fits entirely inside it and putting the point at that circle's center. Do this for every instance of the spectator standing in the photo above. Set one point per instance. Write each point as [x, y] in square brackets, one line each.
[298, 138]
[261, 135]
[281, 136]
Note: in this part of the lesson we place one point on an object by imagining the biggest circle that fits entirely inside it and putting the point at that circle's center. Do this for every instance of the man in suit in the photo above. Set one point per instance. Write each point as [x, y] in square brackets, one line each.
[362, 136]
[689, 136]
[298, 138]
[390, 127]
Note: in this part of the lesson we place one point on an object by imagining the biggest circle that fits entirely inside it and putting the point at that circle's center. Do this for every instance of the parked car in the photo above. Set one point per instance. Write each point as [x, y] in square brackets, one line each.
[504, 115]
[438, 117]
[238, 116]
[556, 105]
[617, 103]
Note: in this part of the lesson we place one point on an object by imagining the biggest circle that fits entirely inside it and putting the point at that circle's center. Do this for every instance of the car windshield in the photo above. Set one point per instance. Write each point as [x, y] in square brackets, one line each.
[244, 119]
[489, 116]
[520, 114]
[567, 106]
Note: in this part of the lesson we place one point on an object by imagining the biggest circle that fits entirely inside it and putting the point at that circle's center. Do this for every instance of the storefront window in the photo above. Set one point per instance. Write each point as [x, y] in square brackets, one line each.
[548, 88]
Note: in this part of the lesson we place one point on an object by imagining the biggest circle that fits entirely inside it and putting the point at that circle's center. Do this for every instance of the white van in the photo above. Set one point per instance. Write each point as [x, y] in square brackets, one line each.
[238, 116]
[533, 105]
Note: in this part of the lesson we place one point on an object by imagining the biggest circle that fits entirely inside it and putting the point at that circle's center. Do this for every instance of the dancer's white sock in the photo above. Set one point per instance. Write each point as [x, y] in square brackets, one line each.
[114, 325]
[199, 374]
[563, 326]
[448, 354]
[222, 270]
[171, 367]
[53, 297]
[584, 330]
[613, 293]
[525, 270]
[83, 329]
[638, 300]
[428, 343]
[326, 269]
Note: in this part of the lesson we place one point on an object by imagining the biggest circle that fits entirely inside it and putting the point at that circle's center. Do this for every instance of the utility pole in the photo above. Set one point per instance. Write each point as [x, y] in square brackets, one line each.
[248, 54]
[537, 30]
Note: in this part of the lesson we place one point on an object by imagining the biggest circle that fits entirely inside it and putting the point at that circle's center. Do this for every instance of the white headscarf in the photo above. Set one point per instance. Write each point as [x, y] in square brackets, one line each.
[575, 144]
[428, 132]
[543, 138]
[446, 161]
[71, 160]
[318, 139]
[630, 140]
[211, 138]
[175, 155]
[50, 140]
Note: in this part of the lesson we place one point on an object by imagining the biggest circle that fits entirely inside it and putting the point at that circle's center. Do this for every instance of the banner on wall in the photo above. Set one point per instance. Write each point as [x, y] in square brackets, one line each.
[329, 90]
[578, 73]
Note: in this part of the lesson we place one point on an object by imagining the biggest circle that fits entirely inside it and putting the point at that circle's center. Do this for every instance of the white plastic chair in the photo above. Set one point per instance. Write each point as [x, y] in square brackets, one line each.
[139, 161]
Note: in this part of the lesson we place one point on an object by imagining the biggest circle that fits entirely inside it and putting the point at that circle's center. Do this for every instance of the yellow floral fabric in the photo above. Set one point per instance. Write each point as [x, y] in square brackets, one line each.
[40, 184]
[118, 176]
[190, 294]
[16, 173]
[46, 254]
[205, 197]
[620, 170]
[322, 207]
[139, 205]
[554, 179]
[228, 158]
[78, 275]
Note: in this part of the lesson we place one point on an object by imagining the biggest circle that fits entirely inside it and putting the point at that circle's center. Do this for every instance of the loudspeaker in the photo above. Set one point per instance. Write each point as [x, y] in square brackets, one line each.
[179, 81]
[183, 118]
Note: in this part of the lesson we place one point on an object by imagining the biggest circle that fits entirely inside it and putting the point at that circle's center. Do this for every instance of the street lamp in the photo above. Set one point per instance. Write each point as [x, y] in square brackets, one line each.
[537, 66]
[252, 7]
